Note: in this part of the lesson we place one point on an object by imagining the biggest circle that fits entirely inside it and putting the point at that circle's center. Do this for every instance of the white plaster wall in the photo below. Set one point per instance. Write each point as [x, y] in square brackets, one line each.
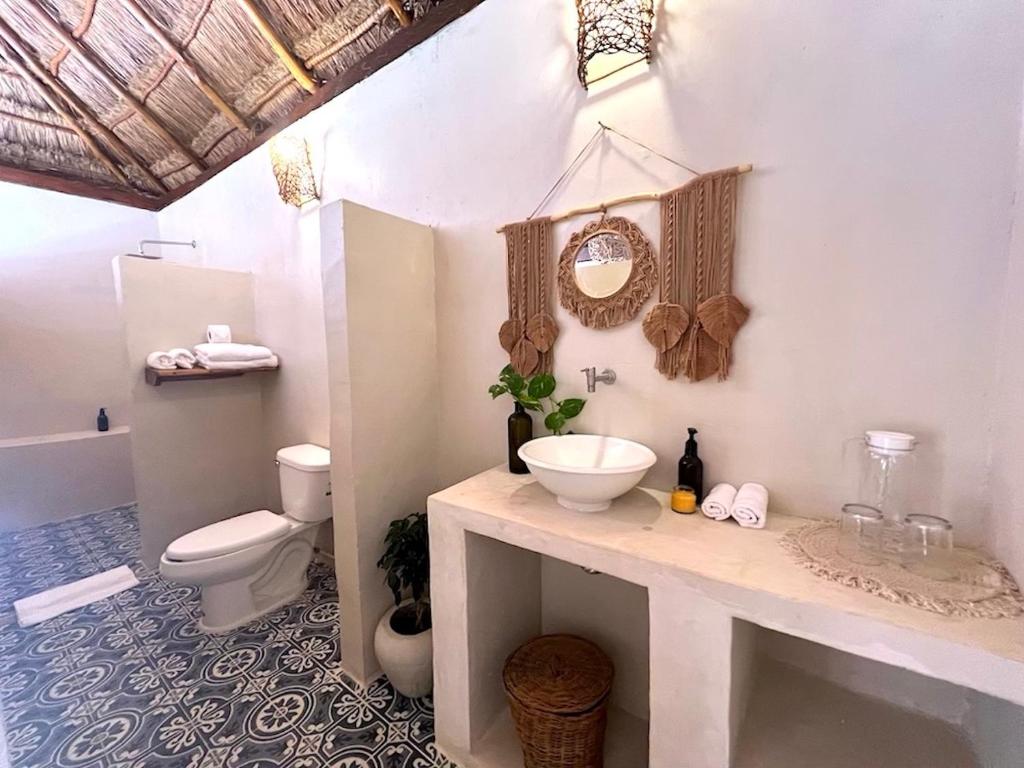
[197, 445]
[60, 342]
[612, 613]
[61, 353]
[378, 278]
[1008, 404]
[873, 233]
[63, 476]
[252, 231]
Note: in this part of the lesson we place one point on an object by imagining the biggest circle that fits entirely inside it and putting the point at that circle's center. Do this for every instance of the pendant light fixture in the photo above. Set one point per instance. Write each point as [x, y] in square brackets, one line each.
[613, 35]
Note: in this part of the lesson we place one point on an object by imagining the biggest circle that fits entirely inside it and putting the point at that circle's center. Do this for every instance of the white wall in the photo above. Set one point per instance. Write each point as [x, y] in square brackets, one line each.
[873, 233]
[378, 278]
[197, 444]
[253, 232]
[1008, 411]
[61, 353]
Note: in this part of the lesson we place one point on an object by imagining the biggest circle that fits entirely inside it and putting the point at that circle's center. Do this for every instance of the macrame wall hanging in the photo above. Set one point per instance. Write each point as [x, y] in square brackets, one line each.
[697, 316]
[692, 326]
[529, 333]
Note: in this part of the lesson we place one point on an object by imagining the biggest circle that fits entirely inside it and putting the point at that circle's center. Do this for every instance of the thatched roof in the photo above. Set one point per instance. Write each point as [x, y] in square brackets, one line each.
[141, 100]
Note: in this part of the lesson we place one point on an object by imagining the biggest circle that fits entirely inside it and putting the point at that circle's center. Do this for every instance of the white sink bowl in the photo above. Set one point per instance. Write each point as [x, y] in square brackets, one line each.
[586, 472]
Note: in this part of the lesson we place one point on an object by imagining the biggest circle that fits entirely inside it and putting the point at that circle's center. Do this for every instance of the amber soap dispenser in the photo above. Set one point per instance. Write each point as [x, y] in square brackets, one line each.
[691, 468]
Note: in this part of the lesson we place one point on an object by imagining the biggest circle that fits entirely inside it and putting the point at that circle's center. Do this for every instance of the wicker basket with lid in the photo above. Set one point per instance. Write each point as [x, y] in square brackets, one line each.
[557, 688]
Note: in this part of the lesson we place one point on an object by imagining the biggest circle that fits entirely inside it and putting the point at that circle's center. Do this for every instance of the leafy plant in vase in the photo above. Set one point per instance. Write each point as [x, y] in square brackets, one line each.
[404, 639]
[531, 395]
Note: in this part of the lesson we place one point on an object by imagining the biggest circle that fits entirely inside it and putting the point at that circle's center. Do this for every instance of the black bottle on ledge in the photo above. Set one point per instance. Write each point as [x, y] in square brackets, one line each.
[520, 432]
[691, 468]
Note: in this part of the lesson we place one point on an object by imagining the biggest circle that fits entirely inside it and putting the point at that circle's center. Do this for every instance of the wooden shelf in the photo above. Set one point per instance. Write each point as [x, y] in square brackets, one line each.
[157, 377]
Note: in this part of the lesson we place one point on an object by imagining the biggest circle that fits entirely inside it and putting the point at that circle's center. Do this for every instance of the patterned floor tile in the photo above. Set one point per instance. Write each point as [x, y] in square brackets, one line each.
[129, 682]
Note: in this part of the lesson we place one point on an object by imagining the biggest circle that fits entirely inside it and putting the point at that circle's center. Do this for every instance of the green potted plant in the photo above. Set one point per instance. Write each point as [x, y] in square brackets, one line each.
[404, 639]
[531, 395]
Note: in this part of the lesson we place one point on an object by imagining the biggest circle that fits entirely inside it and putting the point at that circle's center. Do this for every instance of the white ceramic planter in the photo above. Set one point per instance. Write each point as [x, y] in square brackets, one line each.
[407, 660]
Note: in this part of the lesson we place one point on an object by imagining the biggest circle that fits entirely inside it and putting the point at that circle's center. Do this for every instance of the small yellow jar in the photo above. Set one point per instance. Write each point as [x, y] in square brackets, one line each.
[684, 500]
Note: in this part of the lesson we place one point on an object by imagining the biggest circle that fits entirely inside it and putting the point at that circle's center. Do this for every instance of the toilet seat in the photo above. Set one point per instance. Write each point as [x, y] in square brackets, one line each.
[228, 536]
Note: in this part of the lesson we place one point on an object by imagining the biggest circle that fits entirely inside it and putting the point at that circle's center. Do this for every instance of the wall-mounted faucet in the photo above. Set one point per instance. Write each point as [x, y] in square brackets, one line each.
[607, 376]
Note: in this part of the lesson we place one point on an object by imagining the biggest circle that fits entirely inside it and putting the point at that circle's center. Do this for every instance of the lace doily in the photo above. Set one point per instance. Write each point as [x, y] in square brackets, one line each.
[983, 588]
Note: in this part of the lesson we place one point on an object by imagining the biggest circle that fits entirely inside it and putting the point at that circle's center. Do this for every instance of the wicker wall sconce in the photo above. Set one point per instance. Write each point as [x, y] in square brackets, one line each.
[293, 169]
[615, 31]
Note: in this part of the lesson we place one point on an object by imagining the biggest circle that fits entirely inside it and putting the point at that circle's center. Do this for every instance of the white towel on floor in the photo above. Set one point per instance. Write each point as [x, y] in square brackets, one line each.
[237, 365]
[218, 334]
[54, 602]
[161, 361]
[750, 509]
[182, 357]
[718, 503]
[231, 353]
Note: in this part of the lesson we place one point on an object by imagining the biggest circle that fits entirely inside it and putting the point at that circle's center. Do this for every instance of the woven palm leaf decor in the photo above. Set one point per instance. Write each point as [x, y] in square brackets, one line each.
[529, 333]
[693, 325]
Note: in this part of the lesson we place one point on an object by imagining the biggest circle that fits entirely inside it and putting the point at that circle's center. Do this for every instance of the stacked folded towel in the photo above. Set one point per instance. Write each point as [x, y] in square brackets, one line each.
[748, 506]
[161, 361]
[182, 357]
[234, 357]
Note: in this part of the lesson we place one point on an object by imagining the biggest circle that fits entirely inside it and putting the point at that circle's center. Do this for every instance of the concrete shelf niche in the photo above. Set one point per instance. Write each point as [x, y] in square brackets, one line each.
[808, 704]
[516, 594]
[727, 653]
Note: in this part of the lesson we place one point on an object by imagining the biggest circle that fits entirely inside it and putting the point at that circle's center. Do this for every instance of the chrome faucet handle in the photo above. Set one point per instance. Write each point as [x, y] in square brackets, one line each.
[607, 376]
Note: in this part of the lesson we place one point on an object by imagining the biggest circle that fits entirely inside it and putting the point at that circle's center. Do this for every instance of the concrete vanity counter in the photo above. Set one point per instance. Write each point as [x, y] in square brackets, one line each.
[711, 588]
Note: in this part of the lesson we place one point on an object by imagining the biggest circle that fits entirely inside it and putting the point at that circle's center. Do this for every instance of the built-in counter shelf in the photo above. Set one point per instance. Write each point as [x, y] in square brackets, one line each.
[711, 589]
[156, 377]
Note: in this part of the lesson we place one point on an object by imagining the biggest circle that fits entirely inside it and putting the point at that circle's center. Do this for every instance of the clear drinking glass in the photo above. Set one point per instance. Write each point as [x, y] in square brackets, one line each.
[928, 547]
[860, 534]
[883, 464]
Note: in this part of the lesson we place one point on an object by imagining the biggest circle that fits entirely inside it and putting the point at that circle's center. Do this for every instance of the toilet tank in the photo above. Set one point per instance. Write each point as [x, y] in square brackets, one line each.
[305, 476]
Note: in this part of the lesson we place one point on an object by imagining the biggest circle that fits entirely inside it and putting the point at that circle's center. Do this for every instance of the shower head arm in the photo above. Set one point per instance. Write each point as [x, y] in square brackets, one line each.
[144, 243]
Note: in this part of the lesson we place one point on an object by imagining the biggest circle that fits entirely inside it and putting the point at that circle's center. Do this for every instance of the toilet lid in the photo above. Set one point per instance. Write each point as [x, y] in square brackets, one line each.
[231, 535]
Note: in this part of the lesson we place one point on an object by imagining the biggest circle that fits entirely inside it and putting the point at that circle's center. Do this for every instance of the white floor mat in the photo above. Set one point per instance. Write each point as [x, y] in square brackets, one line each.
[54, 602]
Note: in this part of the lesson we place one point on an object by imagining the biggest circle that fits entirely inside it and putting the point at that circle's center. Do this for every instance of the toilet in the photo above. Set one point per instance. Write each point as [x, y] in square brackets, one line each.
[253, 563]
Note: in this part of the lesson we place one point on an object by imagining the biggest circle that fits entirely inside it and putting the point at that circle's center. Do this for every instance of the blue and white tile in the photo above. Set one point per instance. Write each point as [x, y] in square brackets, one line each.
[130, 682]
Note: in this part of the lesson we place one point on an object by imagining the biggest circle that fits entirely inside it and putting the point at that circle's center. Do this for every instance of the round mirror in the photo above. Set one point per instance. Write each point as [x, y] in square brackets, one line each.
[604, 263]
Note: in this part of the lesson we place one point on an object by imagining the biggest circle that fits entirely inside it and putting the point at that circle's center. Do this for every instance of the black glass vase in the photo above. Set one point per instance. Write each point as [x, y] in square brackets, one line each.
[520, 432]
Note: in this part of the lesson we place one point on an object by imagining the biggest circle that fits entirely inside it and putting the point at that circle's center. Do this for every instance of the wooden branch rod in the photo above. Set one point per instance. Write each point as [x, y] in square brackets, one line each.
[105, 160]
[35, 68]
[302, 75]
[648, 197]
[400, 12]
[111, 82]
[191, 69]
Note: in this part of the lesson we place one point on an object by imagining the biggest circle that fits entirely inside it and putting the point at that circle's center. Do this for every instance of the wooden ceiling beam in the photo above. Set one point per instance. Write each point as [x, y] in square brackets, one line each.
[58, 107]
[403, 40]
[34, 68]
[192, 69]
[77, 187]
[298, 70]
[400, 13]
[110, 81]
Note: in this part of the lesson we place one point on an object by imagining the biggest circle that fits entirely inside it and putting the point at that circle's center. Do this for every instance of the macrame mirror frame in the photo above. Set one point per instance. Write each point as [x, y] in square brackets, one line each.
[623, 305]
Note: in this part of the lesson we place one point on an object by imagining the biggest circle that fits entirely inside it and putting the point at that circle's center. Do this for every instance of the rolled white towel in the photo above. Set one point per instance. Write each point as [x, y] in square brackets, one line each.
[231, 353]
[238, 365]
[160, 361]
[718, 503]
[218, 334]
[750, 509]
[182, 357]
